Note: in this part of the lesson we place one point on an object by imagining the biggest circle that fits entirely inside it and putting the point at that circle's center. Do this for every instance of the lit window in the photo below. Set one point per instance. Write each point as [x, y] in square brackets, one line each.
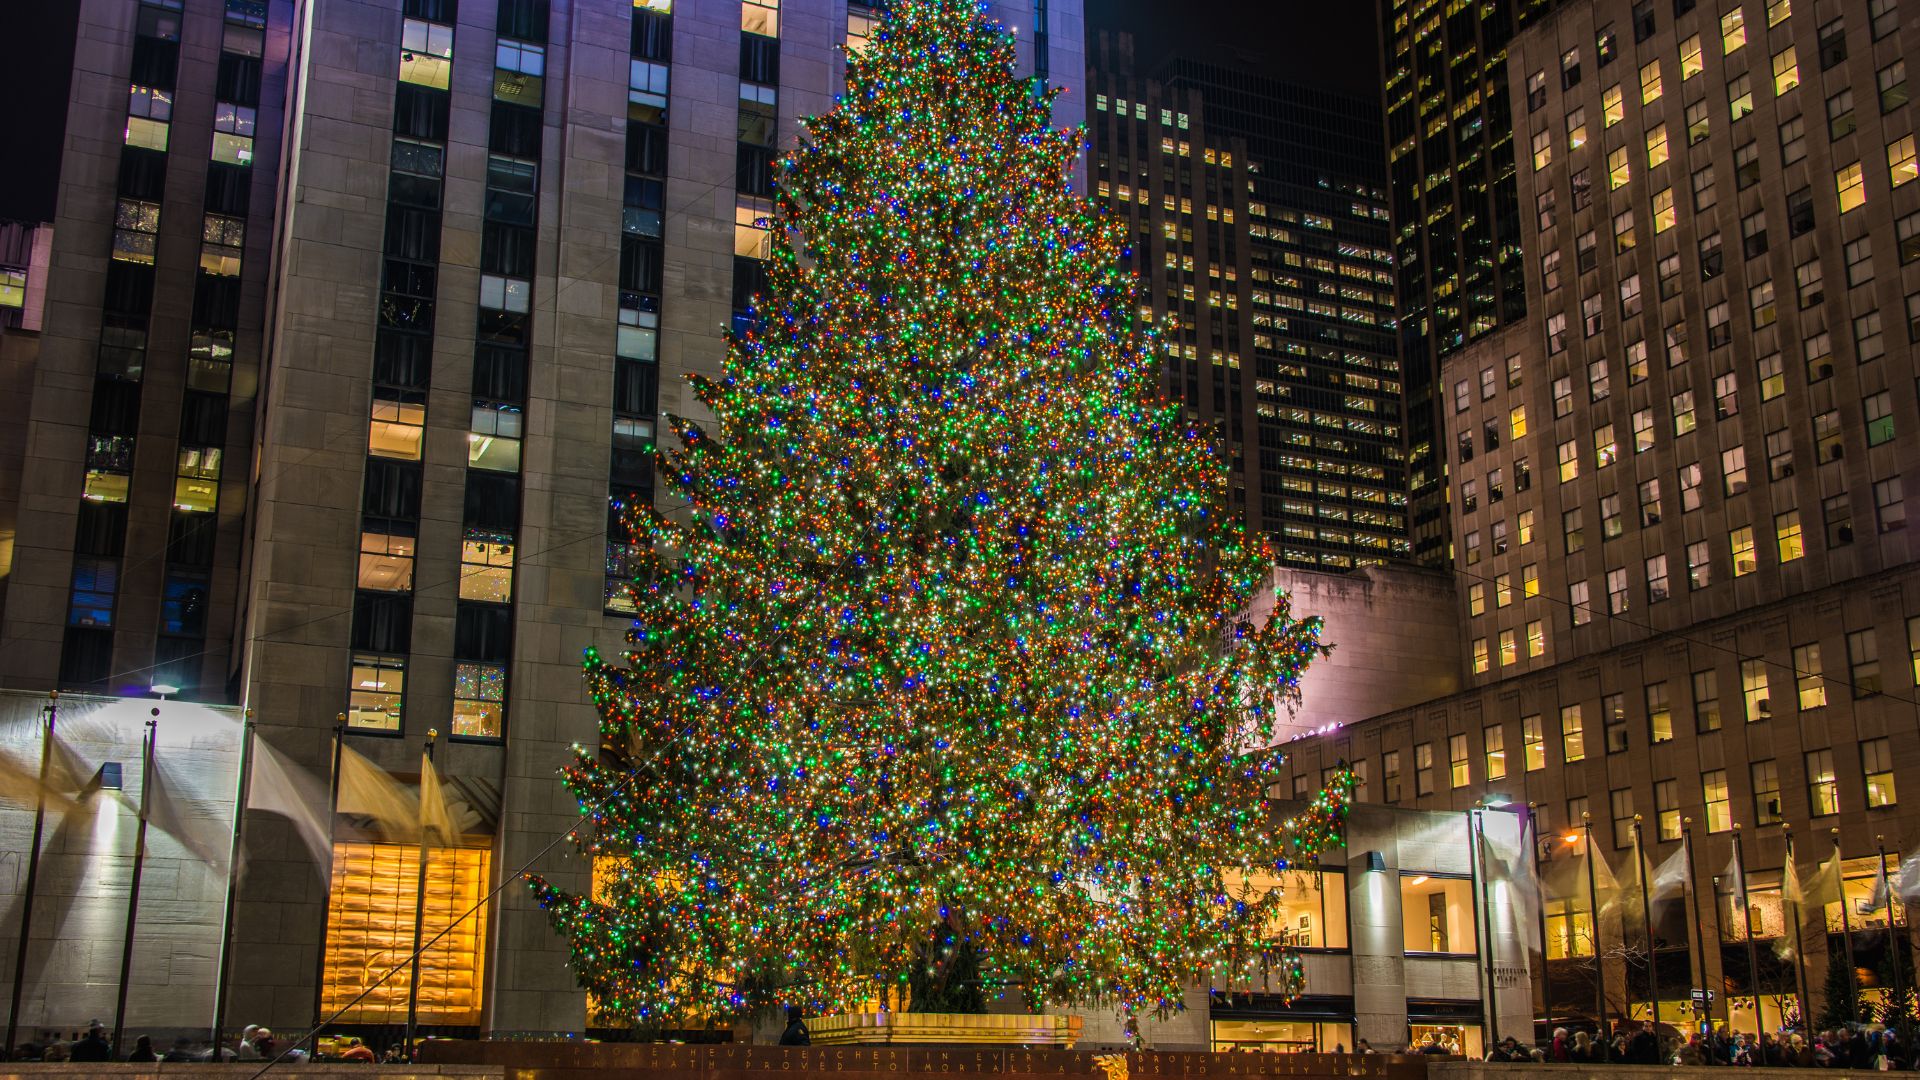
[1569, 452]
[1657, 146]
[1766, 792]
[426, 53]
[1778, 11]
[647, 84]
[1849, 182]
[1786, 532]
[1444, 914]
[196, 485]
[1573, 736]
[146, 134]
[1530, 580]
[1577, 602]
[760, 17]
[1739, 96]
[1663, 213]
[1740, 540]
[1900, 160]
[493, 441]
[222, 240]
[1618, 169]
[233, 133]
[860, 26]
[479, 698]
[136, 229]
[13, 287]
[373, 698]
[1713, 786]
[1753, 685]
[1650, 83]
[1876, 761]
[1481, 661]
[1536, 638]
[1613, 109]
[1879, 411]
[505, 294]
[1786, 71]
[1605, 447]
[1691, 63]
[397, 429]
[1733, 30]
[370, 923]
[750, 234]
[486, 567]
[1459, 768]
[96, 584]
[1542, 149]
[1517, 421]
[1823, 792]
[386, 562]
[1495, 737]
[1809, 686]
[1577, 129]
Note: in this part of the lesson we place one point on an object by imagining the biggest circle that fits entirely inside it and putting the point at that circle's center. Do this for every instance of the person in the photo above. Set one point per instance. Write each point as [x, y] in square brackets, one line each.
[1557, 1049]
[358, 1051]
[243, 1050]
[95, 1046]
[1691, 1052]
[1644, 1047]
[182, 1051]
[396, 1055]
[143, 1050]
[57, 1051]
[1364, 1047]
[796, 1033]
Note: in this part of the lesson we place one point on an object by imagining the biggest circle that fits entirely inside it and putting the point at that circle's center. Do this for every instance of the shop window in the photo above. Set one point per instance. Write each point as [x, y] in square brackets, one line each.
[1437, 913]
[370, 927]
[1282, 1036]
[1310, 906]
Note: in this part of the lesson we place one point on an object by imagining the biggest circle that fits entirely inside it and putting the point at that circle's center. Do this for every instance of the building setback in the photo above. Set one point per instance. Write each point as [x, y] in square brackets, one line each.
[1259, 223]
[1687, 590]
[360, 319]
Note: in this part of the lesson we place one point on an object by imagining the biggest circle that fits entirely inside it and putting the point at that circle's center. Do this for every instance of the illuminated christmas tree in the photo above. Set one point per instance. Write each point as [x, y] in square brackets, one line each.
[942, 665]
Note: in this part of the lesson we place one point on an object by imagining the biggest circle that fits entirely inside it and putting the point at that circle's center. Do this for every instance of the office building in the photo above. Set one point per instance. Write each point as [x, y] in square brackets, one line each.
[1456, 220]
[1688, 597]
[360, 318]
[1259, 224]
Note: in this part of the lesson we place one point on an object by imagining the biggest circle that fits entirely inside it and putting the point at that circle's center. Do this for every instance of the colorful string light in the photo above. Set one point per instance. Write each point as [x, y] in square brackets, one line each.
[952, 641]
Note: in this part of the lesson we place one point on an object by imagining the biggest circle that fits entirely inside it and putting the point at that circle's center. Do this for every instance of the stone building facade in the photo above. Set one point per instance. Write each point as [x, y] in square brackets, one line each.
[360, 319]
[1677, 493]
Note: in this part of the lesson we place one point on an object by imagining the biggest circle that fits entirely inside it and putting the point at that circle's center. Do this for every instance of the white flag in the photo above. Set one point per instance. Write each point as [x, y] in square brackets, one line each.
[435, 823]
[1878, 900]
[1906, 884]
[278, 786]
[1670, 877]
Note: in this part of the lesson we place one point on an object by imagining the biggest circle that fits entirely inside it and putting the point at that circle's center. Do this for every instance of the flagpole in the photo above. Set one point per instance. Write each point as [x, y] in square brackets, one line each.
[1893, 932]
[1719, 938]
[1746, 925]
[223, 960]
[1540, 880]
[419, 904]
[1846, 932]
[1693, 890]
[33, 872]
[1799, 939]
[326, 901]
[133, 886]
[1599, 962]
[1646, 915]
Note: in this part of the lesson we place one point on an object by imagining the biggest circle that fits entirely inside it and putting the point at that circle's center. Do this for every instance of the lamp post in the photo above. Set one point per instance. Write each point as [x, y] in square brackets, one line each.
[1693, 890]
[52, 713]
[1646, 919]
[1599, 964]
[1894, 933]
[1546, 975]
[1746, 933]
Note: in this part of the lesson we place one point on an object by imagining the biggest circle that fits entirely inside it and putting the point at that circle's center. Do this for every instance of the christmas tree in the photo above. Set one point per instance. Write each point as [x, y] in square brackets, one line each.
[943, 675]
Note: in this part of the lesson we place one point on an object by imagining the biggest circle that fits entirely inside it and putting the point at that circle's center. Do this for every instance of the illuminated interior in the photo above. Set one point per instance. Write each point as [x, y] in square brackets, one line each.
[370, 929]
[1312, 907]
[1282, 1036]
[1437, 913]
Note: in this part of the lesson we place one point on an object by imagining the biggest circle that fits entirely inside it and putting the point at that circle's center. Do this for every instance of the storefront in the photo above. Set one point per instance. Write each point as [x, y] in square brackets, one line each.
[1270, 1024]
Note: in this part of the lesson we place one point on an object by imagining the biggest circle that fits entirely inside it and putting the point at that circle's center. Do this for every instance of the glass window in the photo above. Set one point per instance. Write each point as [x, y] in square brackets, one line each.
[370, 922]
[1786, 71]
[1739, 96]
[1423, 769]
[1766, 792]
[1713, 788]
[1786, 533]
[1666, 809]
[1620, 801]
[426, 53]
[1650, 82]
[1863, 663]
[1495, 738]
[760, 17]
[1810, 687]
[397, 429]
[386, 562]
[1876, 762]
[1849, 184]
[1310, 906]
[1390, 776]
[1536, 638]
[1437, 913]
[374, 693]
[1534, 742]
[486, 567]
[1823, 793]
[1459, 767]
[1573, 736]
[1753, 685]
[479, 700]
[1733, 30]
[1900, 160]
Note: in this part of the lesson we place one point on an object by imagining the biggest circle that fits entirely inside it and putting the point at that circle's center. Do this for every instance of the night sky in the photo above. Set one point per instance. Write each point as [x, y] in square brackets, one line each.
[1328, 43]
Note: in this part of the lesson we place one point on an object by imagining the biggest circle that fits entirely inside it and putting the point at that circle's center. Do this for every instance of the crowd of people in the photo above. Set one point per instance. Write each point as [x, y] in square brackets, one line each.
[1858, 1047]
[256, 1043]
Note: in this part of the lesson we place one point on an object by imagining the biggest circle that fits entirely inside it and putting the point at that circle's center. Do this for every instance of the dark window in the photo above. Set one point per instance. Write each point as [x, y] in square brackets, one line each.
[492, 502]
[759, 60]
[129, 289]
[383, 622]
[639, 265]
[754, 170]
[652, 37]
[238, 80]
[176, 662]
[636, 388]
[506, 249]
[483, 631]
[203, 419]
[420, 112]
[646, 148]
[392, 490]
[116, 407]
[440, 11]
[102, 529]
[229, 189]
[183, 607]
[1643, 20]
[86, 656]
[500, 373]
[413, 234]
[515, 131]
[190, 538]
[749, 280]
[402, 360]
[216, 302]
[143, 173]
[1800, 212]
[155, 62]
[523, 19]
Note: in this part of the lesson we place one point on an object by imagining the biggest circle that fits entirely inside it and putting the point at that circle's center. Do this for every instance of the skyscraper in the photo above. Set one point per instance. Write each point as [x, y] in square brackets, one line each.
[361, 321]
[1260, 235]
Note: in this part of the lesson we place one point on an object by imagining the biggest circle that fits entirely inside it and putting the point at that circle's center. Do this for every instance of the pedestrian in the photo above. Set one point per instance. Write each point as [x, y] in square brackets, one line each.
[94, 1047]
[1644, 1047]
[1364, 1047]
[182, 1051]
[358, 1051]
[796, 1033]
[143, 1050]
